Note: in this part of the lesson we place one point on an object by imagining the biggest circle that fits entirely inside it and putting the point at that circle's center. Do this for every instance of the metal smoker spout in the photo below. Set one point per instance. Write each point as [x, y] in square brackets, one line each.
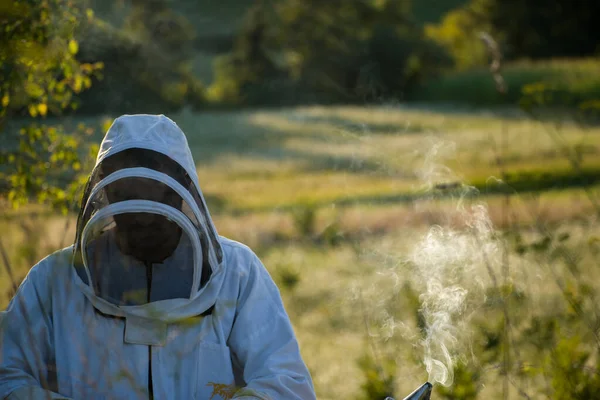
[422, 393]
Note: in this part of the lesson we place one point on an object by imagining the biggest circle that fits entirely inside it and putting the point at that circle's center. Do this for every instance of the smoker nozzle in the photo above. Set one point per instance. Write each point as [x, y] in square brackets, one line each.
[422, 393]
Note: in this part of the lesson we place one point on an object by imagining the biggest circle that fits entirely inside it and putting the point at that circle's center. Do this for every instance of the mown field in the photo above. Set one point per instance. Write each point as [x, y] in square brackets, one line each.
[355, 210]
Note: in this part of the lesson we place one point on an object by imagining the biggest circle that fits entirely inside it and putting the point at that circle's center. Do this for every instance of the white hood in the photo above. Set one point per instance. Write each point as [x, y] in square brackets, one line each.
[160, 134]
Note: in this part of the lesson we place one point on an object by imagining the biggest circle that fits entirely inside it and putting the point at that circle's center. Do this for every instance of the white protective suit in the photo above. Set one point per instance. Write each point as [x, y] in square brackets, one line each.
[212, 326]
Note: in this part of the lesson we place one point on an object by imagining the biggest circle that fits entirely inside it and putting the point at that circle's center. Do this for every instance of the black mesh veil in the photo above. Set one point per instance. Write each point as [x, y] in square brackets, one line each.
[141, 214]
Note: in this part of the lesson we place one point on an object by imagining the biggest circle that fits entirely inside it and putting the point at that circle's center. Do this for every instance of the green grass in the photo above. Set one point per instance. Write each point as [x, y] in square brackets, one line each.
[365, 173]
[349, 155]
[567, 81]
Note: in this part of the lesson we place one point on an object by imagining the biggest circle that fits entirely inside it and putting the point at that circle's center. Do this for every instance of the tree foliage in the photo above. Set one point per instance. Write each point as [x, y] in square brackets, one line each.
[147, 61]
[526, 29]
[40, 75]
[39, 70]
[335, 50]
[458, 32]
[543, 29]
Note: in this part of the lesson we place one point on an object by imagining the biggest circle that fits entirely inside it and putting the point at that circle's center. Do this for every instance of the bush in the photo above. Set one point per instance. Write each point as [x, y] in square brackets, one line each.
[305, 220]
[466, 385]
[379, 379]
[287, 277]
[571, 376]
[332, 235]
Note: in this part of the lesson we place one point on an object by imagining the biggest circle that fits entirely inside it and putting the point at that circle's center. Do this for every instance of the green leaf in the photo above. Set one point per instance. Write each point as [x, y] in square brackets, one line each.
[42, 109]
[33, 110]
[73, 46]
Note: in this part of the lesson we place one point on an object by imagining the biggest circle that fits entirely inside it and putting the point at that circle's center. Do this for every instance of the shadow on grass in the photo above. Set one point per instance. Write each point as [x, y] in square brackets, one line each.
[216, 135]
[269, 134]
[519, 182]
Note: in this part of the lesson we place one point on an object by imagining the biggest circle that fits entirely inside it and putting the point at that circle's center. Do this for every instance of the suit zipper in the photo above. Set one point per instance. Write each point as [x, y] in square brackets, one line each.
[148, 297]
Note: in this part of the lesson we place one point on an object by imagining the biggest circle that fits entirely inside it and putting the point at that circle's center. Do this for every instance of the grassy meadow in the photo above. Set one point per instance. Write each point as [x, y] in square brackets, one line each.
[345, 206]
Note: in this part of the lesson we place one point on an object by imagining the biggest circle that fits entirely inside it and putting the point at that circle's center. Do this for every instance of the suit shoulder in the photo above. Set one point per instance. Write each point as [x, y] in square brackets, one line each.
[236, 249]
[42, 277]
[51, 265]
[239, 257]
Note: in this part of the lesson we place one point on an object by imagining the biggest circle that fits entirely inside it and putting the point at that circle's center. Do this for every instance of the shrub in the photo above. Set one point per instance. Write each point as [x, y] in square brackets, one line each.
[305, 219]
[379, 379]
[466, 384]
[287, 276]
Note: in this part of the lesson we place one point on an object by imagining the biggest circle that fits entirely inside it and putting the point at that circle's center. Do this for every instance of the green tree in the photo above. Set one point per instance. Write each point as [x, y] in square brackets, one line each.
[330, 51]
[148, 61]
[526, 29]
[543, 29]
[40, 75]
[459, 33]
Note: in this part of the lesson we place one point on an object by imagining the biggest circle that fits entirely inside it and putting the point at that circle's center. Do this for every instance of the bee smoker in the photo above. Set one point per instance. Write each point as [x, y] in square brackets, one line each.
[422, 393]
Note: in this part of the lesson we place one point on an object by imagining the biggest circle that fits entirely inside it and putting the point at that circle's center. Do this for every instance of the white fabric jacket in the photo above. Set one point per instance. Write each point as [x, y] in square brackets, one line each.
[230, 339]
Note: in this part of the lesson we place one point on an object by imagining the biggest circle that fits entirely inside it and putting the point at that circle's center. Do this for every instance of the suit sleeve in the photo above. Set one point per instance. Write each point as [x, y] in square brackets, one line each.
[264, 344]
[26, 348]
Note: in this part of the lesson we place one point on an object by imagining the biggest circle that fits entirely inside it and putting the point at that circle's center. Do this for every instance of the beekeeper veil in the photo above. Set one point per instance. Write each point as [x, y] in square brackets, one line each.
[144, 234]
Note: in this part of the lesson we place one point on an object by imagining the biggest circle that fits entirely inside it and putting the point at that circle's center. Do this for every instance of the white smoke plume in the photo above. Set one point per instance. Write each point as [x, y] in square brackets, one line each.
[447, 267]
[449, 264]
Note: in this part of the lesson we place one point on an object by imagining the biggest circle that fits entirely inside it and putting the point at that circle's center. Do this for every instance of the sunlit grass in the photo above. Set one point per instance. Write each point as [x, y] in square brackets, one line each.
[316, 155]
[319, 189]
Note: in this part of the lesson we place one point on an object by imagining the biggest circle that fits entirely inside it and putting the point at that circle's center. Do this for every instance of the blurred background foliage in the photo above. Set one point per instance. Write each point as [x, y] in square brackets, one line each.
[363, 83]
[322, 52]
[40, 75]
[166, 54]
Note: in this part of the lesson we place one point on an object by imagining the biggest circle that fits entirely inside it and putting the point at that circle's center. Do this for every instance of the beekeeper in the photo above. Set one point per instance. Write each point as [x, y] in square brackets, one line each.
[149, 302]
